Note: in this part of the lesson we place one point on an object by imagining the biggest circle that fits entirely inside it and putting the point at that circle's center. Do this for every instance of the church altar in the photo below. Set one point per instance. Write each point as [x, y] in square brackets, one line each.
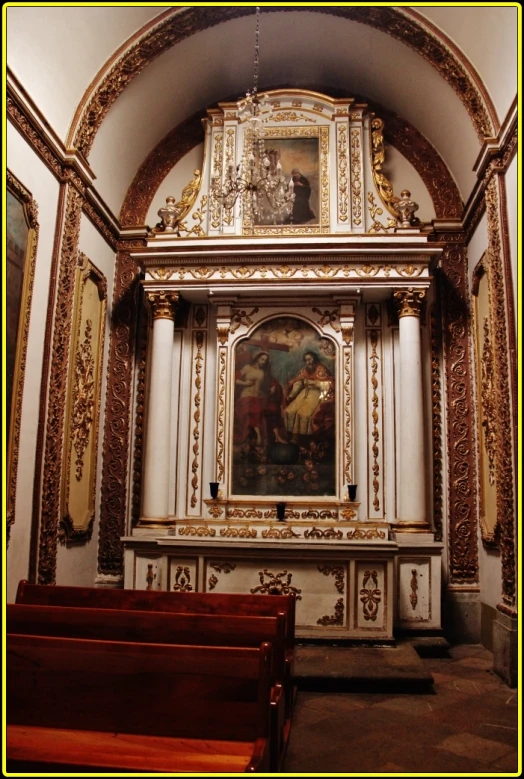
[284, 362]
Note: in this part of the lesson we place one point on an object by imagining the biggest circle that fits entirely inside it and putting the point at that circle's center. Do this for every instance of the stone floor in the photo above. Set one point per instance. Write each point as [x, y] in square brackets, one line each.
[466, 722]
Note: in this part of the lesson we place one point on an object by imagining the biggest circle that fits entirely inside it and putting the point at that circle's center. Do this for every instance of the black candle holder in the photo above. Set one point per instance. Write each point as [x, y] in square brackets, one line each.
[213, 488]
[281, 511]
[352, 491]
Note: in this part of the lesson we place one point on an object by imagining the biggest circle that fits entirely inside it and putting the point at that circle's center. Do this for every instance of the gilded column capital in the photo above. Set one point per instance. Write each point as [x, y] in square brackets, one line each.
[163, 304]
[409, 302]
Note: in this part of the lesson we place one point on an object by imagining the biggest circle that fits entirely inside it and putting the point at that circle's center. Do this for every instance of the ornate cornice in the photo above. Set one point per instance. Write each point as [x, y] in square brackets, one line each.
[31, 213]
[184, 22]
[54, 436]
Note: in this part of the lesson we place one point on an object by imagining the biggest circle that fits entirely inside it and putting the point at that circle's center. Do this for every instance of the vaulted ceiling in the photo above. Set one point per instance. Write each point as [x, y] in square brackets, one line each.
[114, 81]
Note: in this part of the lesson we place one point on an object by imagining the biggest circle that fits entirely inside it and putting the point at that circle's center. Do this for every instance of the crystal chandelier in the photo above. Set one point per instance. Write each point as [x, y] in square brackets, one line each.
[258, 179]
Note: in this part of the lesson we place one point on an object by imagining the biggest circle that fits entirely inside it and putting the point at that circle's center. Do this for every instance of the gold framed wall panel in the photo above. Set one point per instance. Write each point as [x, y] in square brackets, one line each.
[18, 306]
[77, 509]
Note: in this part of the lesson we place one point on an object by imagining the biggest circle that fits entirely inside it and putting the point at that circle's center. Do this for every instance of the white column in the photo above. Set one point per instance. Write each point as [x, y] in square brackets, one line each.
[155, 490]
[412, 464]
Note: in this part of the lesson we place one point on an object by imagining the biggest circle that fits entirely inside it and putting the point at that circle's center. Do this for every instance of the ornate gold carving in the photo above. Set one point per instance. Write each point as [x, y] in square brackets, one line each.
[173, 212]
[198, 215]
[291, 116]
[280, 532]
[409, 302]
[199, 341]
[347, 334]
[17, 113]
[275, 584]
[163, 303]
[337, 618]
[182, 579]
[410, 271]
[238, 532]
[230, 161]
[373, 337]
[348, 513]
[316, 532]
[200, 531]
[244, 513]
[52, 467]
[219, 568]
[223, 334]
[505, 474]
[385, 190]
[488, 401]
[161, 274]
[296, 104]
[374, 210]
[113, 503]
[241, 317]
[322, 514]
[212, 583]
[216, 511]
[436, 407]
[463, 556]
[334, 570]
[15, 412]
[150, 576]
[342, 152]
[356, 182]
[222, 364]
[347, 410]
[365, 535]
[324, 179]
[83, 398]
[143, 331]
[328, 318]
[414, 587]
[370, 597]
[217, 174]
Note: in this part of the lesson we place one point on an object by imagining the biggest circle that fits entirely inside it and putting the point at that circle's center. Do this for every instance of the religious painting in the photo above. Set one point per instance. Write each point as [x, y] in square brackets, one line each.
[284, 412]
[299, 166]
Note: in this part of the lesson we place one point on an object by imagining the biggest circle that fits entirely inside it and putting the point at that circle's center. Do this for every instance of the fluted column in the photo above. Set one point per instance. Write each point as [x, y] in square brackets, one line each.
[155, 500]
[412, 461]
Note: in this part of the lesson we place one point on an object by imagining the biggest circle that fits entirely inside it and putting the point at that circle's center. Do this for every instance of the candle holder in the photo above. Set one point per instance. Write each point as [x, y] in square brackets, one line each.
[352, 491]
[213, 488]
[281, 512]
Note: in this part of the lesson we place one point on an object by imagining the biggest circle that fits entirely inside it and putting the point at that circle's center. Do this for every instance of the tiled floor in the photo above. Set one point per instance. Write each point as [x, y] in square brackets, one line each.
[467, 724]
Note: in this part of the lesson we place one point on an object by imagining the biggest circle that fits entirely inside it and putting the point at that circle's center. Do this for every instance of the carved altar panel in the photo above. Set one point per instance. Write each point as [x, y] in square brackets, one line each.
[372, 596]
[414, 591]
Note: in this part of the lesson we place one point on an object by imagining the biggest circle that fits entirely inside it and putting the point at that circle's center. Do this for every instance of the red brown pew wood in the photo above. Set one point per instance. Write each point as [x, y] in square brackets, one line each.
[168, 628]
[194, 602]
[135, 706]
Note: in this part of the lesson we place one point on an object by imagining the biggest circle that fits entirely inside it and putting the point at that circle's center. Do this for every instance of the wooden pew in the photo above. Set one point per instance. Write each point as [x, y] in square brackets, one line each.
[168, 628]
[79, 704]
[156, 600]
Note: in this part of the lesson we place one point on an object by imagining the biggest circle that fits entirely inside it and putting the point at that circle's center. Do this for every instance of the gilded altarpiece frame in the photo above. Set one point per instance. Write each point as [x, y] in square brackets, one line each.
[238, 329]
[21, 246]
[486, 405]
[83, 404]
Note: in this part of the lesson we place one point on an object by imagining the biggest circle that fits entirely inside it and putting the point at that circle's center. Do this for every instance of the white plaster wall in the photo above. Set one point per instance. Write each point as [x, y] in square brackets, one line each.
[403, 175]
[177, 178]
[55, 51]
[36, 177]
[476, 247]
[488, 37]
[77, 565]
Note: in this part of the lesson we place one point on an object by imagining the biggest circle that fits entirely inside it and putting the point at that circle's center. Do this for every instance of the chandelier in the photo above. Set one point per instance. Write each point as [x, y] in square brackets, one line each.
[258, 180]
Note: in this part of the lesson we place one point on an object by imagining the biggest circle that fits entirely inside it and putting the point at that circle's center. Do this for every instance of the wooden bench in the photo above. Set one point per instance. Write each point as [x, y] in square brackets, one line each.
[157, 600]
[80, 704]
[168, 628]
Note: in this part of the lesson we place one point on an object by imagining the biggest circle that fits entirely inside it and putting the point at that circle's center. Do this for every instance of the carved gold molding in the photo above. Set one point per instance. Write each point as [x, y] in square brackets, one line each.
[238, 532]
[275, 584]
[316, 532]
[280, 532]
[163, 303]
[54, 435]
[436, 410]
[199, 337]
[83, 404]
[343, 163]
[221, 415]
[182, 579]
[31, 215]
[370, 595]
[215, 209]
[409, 302]
[200, 531]
[378, 158]
[373, 338]
[368, 535]
[356, 177]
[219, 568]
[504, 423]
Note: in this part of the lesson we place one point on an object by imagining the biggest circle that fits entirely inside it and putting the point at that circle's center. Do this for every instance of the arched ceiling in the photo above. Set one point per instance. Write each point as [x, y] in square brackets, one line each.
[66, 49]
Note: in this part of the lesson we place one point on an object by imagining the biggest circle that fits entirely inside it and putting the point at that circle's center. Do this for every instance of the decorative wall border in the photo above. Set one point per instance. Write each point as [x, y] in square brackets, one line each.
[31, 214]
[140, 409]
[403, 25]
[462, 530]
[59, 361]
[435, 320]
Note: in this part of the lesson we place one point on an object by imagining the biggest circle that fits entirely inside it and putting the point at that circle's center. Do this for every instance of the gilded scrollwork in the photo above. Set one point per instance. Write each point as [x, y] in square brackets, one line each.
[217, 175]
[236, 513]
[195, 465]
[488, 401]
[238, 532]
[200, 531]
[334, 570]
[370, 595]
[182, 579]
[375, 210]
[241, 317]
[221, 410]
[335, 619]
[316, 532]
[342, 152]
[373, 337]
[356, 180]
[275, 584]
[280, 532]
[362, 534]
[83, 411]
[436, 407]
[328, 318]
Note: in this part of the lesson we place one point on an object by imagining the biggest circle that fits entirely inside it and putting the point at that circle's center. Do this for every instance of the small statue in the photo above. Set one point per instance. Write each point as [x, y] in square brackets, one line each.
[173, 212]
[406, 208]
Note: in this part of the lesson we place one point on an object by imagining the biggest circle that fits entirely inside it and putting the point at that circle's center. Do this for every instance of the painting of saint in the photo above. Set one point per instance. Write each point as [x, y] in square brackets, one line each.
[284, 412]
